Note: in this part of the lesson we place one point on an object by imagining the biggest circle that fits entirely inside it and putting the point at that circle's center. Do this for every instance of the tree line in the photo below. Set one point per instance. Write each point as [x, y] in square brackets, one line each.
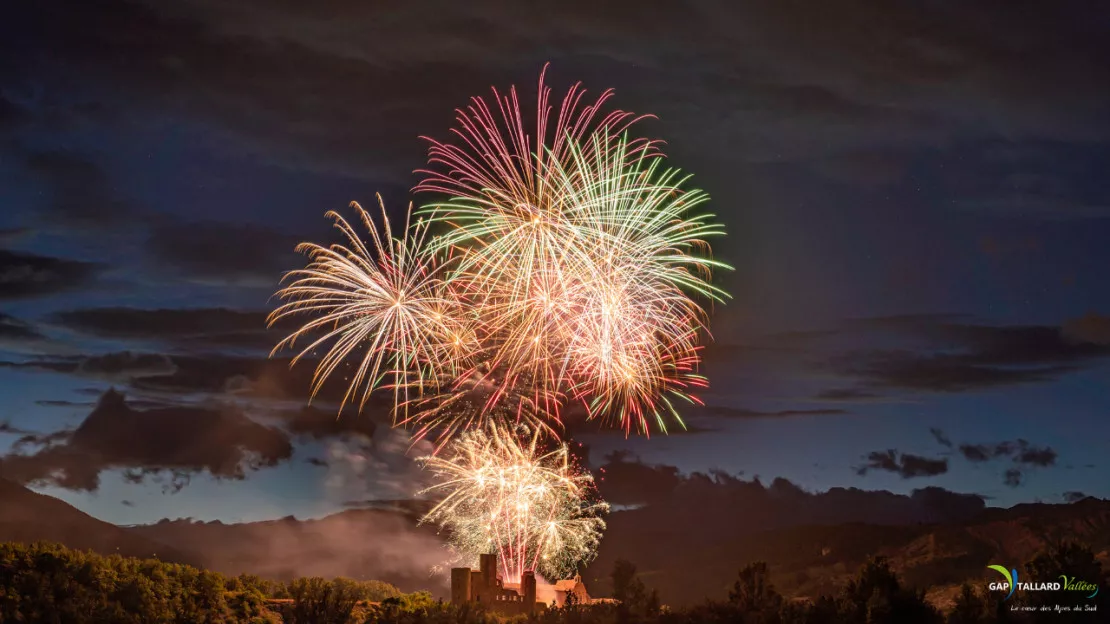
[50, 584]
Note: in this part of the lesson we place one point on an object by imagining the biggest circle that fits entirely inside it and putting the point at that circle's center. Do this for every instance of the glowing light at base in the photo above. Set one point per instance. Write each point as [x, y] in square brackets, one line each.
[503, 492]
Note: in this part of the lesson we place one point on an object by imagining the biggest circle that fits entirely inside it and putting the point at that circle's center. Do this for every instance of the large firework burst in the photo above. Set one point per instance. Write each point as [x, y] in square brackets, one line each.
[503, 492]
[565, 268]
[387, 308]
[584, 251]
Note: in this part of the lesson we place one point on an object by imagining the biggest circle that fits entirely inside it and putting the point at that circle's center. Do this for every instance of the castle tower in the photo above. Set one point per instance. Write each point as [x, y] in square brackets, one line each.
[528, 588]
[487, 565]
[460, 585]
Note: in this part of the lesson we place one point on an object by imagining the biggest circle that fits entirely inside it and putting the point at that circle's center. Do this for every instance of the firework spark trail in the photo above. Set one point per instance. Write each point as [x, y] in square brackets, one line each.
[390, 302]
[635, 342]
[502, 491]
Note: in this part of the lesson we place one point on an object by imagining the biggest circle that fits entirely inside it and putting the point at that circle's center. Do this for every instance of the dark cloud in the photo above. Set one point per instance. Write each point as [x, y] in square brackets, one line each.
[846, 394]
[259, 377]
[62, 403]
[36, 439]
[904, 464]
[1090, 329]
[977, 452]
[81, 193]
[941, 437]
[296, 83]
[625, 480]
[15, 330]
[1073, 497]
[11, 114]
[172, 443]
[739, 412]
[6, 427]
[1020, 451]
[1013, 477]
[126, 365]
[29, 275]
[121, 366]
[316, 423]
[10, 235]
[957, 357]
[213, 252]
[944, 373]
[1031, 456]
[1049, 182]
[187, 327]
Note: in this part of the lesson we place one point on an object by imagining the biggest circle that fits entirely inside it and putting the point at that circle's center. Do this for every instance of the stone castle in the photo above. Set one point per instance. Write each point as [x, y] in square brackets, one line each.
[483, 586]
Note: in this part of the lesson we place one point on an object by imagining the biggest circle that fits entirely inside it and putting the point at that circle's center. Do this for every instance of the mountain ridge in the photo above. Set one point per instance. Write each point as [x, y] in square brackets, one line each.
[385, 543]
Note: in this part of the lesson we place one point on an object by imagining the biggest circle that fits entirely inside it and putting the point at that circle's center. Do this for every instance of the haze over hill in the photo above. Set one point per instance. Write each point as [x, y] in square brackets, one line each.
[813, 542]
[364, 544]
[27, 516]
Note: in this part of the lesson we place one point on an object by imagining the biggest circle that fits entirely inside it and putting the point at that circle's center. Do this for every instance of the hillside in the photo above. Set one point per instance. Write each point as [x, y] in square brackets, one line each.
[27, 516]
[364, 544]
[813, 560]
[686, 564]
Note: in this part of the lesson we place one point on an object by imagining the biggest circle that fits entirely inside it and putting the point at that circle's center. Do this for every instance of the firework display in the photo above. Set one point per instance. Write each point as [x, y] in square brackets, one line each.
[502, 492]
[563, 267]
[388, 309]
[556, 267]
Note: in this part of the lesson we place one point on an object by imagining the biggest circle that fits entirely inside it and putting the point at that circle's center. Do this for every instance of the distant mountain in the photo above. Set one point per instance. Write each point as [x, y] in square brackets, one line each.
[26, 516]
[364, 544]
[813, 543]
[688, 562]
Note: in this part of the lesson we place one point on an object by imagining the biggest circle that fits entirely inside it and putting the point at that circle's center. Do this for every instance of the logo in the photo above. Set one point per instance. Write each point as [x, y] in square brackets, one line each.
[1011, 580]
[1065, 583]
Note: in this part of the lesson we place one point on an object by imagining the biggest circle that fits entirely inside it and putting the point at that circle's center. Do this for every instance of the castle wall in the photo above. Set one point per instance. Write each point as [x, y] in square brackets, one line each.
[528, 587]
[484, 587]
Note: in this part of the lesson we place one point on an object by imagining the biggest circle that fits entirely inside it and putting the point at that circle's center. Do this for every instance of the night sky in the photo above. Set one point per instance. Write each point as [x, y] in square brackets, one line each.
[915, 194]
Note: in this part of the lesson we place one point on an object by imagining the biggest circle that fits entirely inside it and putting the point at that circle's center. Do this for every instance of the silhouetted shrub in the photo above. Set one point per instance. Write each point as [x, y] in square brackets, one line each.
[51, 584]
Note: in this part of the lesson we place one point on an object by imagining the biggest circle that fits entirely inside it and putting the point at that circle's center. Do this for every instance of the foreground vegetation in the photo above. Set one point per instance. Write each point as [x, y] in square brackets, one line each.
[47, 583]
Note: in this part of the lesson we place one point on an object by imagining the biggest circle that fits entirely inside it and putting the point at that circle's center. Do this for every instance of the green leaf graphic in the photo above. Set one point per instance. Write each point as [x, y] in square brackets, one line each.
[1004, 572]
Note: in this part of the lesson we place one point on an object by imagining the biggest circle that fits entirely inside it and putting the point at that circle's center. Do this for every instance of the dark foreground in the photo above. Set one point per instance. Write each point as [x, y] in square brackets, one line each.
[48, 583]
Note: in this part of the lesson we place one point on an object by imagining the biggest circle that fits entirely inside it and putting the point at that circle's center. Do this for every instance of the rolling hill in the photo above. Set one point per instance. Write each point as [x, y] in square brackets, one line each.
[809, 560]
[26, 516]
[685, 559]
[364, 544]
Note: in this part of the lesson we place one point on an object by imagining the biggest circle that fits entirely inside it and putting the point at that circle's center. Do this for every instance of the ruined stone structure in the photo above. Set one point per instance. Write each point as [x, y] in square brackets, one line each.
[484, 587]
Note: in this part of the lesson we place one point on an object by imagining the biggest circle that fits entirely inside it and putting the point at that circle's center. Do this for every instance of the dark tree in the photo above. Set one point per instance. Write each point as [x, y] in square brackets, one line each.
[971, 608]
[876, 596]
[635, 601]
[318, 601]
[753, 592]
[1076, 563]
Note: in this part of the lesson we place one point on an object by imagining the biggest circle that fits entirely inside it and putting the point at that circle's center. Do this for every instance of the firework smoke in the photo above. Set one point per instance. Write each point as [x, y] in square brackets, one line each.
[503, 492]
